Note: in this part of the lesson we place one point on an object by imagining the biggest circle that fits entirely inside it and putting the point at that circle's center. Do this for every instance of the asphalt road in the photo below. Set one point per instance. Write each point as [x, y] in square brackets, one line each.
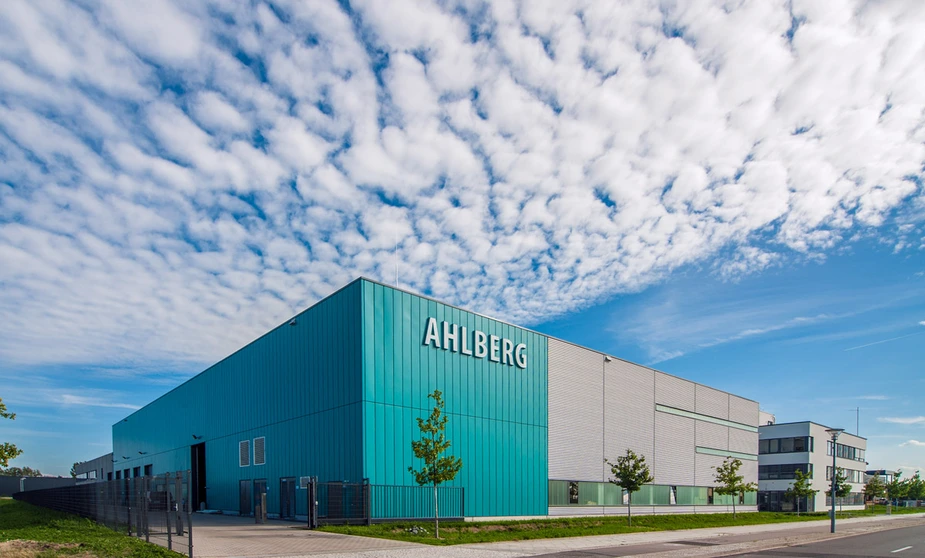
[908, 542]
[902, 542]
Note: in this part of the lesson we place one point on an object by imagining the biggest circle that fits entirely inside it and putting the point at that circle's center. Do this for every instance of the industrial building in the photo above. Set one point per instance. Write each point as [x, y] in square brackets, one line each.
[784, 448]
[334, 393]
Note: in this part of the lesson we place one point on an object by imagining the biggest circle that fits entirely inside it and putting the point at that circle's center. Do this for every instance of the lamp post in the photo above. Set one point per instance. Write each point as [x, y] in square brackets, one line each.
[834, 432]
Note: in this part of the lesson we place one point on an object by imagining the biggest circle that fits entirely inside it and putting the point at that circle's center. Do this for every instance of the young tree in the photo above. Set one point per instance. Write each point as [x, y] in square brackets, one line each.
[731, 482]
[874, 488]
[74, 469]
[437, 469]
[630, 472]
[915, 487]
[7, 451]
[801, 488]
[842, 487]
[896, 488]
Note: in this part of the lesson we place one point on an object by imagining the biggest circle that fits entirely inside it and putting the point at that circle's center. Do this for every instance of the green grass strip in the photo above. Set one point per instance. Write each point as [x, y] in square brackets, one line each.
[21, 521]
[481, 532]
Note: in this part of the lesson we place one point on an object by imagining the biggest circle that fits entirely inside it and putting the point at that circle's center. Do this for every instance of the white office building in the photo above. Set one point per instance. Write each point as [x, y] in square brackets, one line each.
[806, 446]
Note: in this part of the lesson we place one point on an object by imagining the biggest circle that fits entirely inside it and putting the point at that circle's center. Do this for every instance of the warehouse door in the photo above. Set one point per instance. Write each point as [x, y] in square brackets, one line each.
[287, 498]
[260, 487]
[244, 490]
[198, 474]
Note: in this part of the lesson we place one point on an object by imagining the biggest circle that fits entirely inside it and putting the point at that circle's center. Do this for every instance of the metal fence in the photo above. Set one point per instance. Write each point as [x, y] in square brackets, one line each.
[364, 503]
[156, 509]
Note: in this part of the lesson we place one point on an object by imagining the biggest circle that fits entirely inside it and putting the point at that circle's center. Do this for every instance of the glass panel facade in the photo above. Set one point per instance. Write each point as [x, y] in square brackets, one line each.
[784, 471]
[786, 445]
[609, 494]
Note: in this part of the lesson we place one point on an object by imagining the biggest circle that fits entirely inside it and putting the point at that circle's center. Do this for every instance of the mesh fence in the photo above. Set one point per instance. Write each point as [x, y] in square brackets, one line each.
[156, 508]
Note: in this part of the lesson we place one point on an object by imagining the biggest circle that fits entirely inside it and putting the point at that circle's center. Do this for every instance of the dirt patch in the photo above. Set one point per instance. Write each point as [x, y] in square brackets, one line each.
[31, 549]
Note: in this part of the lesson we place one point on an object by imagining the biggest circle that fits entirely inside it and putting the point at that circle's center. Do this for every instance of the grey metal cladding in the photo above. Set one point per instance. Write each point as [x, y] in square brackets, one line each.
[743, 410]
[576, 410]
[711, 435]
[749, 471]
[674, 446]
[629, 413]
[712, 402]
[705, 468]
[674, 392]
[742, 441]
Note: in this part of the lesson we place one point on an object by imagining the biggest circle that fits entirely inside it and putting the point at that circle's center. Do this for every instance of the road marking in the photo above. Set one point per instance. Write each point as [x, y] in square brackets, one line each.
[900, 549]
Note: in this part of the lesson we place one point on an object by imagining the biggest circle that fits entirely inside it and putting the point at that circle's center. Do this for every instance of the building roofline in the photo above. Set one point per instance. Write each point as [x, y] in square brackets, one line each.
[426, 297]
[807, 422]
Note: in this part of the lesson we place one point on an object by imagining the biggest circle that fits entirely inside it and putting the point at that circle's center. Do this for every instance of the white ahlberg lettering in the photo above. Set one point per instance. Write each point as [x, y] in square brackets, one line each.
[465, 342]
[457, 339]
[447, 336]
[481, 349]
[431, 335]
[493, 344]
[521, 353]
[508, 352]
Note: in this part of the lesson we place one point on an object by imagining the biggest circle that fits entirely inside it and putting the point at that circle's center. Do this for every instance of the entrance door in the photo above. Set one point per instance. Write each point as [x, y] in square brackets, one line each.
[244, 491]
[198, 473]
[287, 498]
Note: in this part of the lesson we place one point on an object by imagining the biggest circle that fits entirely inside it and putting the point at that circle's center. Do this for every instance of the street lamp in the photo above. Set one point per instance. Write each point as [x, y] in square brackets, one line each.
[834, 432]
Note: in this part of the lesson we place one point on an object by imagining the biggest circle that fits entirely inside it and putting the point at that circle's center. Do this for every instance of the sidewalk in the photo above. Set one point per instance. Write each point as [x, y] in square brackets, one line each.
[232, 537]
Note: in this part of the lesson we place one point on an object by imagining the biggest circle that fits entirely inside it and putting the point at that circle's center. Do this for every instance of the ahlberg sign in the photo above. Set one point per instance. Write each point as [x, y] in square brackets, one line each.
[477, 344]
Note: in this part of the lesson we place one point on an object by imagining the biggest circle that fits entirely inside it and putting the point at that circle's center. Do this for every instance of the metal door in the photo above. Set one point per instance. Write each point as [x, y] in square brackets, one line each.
[244, 488]
[260, 487]
[287, 498]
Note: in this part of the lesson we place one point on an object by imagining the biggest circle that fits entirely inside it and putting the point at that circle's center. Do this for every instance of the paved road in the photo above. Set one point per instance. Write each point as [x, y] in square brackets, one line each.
[780, 540]
[895, 543]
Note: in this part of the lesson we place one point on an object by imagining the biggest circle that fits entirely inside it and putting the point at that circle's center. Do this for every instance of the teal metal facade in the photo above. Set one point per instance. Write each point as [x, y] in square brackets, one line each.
[497, 411]
[336, 394]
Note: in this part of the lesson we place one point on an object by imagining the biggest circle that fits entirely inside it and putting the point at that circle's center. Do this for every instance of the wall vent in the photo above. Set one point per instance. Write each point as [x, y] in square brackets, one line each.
[244, 453]
[260, 457]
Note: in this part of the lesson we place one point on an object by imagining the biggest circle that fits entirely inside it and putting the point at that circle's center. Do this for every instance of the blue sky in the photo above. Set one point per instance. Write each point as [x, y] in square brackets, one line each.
[730, 193]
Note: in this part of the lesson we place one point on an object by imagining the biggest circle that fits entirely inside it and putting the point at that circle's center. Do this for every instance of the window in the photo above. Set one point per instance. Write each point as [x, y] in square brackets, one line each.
[785, 445]
[244, 453]
[147, 470]
[118, 475]
[136, 472]
[710, 495]
[125, 474]
[673, 495]
[785, 471]
[109, 476]
[741, 498]
[260, 457]
[573, 493]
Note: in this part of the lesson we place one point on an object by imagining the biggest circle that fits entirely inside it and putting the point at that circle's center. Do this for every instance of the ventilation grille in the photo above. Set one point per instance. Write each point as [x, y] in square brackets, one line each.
[244, 453]
[260, 457]
[303, 482]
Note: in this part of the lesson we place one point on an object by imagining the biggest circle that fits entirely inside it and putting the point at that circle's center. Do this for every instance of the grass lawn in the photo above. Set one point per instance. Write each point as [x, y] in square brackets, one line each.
[27, 531]
[477, 532]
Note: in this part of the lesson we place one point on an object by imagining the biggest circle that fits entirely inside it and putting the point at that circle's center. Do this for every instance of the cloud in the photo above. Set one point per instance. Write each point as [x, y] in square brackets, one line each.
[873, 397]
[913, 443]
[68, 399]
[169, 198]
[902, 420]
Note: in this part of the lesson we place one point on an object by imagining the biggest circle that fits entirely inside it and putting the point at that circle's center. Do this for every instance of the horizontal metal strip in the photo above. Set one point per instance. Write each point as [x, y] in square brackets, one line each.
[705, 418]
[727, 453]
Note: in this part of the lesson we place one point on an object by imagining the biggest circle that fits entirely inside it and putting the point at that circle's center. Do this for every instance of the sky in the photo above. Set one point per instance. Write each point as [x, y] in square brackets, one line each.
[731, 192]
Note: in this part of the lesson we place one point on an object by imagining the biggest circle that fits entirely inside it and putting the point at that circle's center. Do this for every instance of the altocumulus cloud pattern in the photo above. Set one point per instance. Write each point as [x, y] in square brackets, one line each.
[177, 177]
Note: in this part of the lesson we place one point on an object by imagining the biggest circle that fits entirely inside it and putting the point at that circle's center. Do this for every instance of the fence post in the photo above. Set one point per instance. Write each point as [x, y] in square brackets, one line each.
[312, 502]
[367, 511]
[146, 488]
[178, 503]
[189, 510]
[129, 488]
[167, 510]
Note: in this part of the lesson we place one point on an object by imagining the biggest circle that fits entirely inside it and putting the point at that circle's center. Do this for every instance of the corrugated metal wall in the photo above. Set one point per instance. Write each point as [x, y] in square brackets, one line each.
[578, 377]
[497, 412]
[297, 385]
[576, 400]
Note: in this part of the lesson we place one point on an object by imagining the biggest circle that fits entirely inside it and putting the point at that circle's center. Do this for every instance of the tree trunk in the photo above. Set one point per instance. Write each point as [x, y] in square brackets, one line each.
[436, 514]
[629, 509]
[734, 496]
